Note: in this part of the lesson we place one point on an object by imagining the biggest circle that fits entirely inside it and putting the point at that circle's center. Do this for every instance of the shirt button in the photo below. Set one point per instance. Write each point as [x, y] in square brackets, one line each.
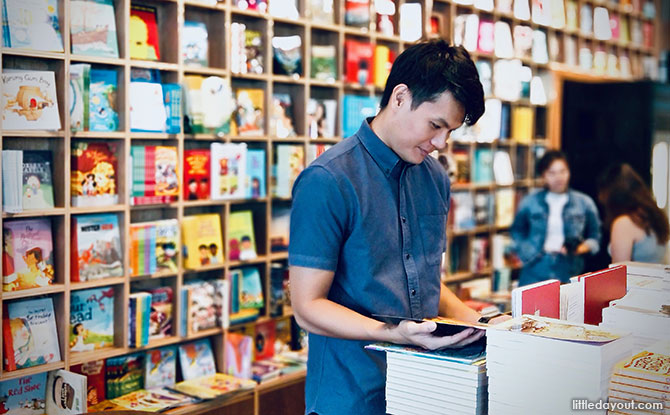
[407, 256]
[413, 292]
[403, 219]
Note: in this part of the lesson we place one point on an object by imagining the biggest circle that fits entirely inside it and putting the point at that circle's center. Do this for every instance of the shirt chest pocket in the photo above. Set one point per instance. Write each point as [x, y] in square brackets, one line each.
[575, 222]
[433, 229]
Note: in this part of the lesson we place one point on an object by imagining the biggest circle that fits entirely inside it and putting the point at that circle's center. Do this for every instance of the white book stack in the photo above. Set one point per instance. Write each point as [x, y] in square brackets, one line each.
[640, 275]
[420, 382]
[538, 365]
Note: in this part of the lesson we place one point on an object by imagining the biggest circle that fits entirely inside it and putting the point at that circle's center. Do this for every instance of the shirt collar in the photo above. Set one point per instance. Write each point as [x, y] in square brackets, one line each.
[387, 160]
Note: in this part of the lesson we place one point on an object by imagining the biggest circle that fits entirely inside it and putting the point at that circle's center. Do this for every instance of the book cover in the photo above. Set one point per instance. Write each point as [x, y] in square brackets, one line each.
[154, 400]
[253, 50]
[358, 62]
[256, 173]
[32, 24]
[289, 163]
[12, 181]
[95, 380]
[160, 367]
[321, 118]
[324, 63]
[202, 306]
[93, 180]
[196, 174]
[143, 24]
[196, 359]
[320, 11]
[600, 288]
[96, 243]
[27, 256]
[251, 294]
[250, 112]
[65, 393]
[485, 43]
[265, 340]
[287, 55]
[102, 100]
[356, 109]
[160, 324]
[383, 60]
[279, 228]
[147, 107]
[214, 386]
[195, 44]
[172, 98]
[504, 207]
[646, 365]
[264, 370]
[167, 172]
[202, 240]
[469, 355]
[167, 243]
[125, 374]
[314, 151]
[37, 180]
[557, 329]
[91, 319]
[29, 334]
[241, 238]
[357, 13]
[29, 100]
[24, 396]
[539, 299]
[228, 165]
[93, 28]
[238, 355]
[139, 311]
[281, 118]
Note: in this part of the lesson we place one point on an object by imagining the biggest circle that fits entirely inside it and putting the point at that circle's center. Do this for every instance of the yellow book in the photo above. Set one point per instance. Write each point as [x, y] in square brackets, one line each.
[646, 365]
[210, 387]
[522, 124]
[382, 65]
[241, 240]
[202, 239]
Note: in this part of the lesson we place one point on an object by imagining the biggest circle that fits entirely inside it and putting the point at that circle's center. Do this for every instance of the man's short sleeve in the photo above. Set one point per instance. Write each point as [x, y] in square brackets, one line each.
[318, 220]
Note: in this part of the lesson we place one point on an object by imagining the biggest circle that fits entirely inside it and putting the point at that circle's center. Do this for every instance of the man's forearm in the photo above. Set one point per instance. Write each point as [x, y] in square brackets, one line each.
[451, 306]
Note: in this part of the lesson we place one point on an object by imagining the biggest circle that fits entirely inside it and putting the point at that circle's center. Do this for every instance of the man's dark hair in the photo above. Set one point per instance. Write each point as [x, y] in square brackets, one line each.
[548, 158]
[433, 67]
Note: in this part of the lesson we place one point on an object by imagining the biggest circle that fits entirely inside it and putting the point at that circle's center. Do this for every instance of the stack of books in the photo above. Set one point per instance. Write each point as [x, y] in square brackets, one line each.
[537, 362]
[435, 382]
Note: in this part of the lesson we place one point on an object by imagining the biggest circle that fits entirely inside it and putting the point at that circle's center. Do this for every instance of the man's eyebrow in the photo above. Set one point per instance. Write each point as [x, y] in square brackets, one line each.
[442, 121]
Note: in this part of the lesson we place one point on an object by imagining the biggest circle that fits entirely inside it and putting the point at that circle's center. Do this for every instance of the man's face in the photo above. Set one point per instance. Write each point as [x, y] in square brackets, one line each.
[557, 176]
[419, 132]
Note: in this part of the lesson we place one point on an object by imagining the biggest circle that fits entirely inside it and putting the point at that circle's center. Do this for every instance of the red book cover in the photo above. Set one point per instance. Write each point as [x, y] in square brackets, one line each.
[485, 42]
[358, 63]
[600, 288]
[196, 174]
[614, 24]
[144, 33]
[7, 341]
[266, 333]
[95, 380]
[541, 299]
[648, 34]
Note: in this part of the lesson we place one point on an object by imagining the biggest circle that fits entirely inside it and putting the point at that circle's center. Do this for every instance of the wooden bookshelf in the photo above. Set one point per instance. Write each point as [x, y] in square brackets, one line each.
[218, 18]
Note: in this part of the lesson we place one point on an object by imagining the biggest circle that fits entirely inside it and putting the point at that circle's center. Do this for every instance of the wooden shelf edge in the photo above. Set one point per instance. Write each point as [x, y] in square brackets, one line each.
[33, 292]
[75, 286]
[32, 370]
[34, 213]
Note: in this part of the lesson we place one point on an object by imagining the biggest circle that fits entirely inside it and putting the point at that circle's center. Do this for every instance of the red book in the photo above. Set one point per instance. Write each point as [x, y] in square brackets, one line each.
[358, 63]
[600, 288]
[539, 299]
[266, 334]
[95, 380]
[196, 174]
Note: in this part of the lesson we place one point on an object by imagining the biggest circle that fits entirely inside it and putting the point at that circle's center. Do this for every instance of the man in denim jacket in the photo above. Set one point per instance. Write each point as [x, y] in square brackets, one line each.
[554, 227]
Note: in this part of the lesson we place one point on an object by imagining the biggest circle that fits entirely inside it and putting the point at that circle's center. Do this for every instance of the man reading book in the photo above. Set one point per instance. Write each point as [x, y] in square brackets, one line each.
[368, 229]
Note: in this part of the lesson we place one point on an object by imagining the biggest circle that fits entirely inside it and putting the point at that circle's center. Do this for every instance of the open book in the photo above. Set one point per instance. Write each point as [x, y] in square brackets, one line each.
[445, 326]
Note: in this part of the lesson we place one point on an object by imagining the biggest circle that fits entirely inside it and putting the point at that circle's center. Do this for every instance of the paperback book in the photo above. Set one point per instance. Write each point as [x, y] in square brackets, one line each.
[93, 180]
[201, 235]
[25, 395]
[144, 43]
[96, 247]
[93, 28]
[27, 256]
[196, 360]
[31, 24]
[160, 367]
[65, 393]
[91, 319]
[29, 99]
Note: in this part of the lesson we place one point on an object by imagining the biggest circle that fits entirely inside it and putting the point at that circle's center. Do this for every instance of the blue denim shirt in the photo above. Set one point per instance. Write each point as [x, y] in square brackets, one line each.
[380, 225]
[580, 220]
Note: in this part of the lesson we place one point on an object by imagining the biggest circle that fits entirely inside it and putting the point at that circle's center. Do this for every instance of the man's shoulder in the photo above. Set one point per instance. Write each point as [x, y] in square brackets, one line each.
[333, 158]
[581, 198]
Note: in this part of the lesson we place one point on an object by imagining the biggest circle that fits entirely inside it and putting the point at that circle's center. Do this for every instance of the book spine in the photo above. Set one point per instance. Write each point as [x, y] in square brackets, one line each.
[10, 364]
[152, 249]
[131, 323]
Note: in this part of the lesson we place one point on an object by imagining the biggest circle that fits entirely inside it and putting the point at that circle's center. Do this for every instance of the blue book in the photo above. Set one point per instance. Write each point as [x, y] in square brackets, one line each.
[196, 359]
[27, 389]
[483, 166]
[252, 289]
[256, 173]
[91, 319]
[194, 43]
[356, 109]
[102, 97]
[160, 367]
[172, 97]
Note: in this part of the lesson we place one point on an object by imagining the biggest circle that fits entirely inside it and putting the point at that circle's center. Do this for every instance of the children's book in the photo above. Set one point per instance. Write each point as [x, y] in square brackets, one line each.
[357, 13]
[29, 334]
[25, 395]
[93, 179]
[214, 386]
[147, 107]
[196, 174]
[27, 256]
[202, 240]
[194, 43]
[161, 312]
[167, 172]
[256, 173]
[228, 165]
[154, 400]
[279, 228]
[31, 24]
[102, 100]
[281, 118]
[250, 112]
[251, 295]
[196, 359]
[125, 374]
[324, 63]
[80, 81]
[321, 118]
[289, 162]
[65, 393]
[265, 340]
[37, 180]
[144, 43]
[238, 355]
[96, 247]
[95, 380]
[160, 368]
[93, 28]
[167, 245]
[241, 239]
[172, 99]
[29, 100]
[12, 181]
[139, 310]
[356, 109]
[209, 105]
[287, 55]
[91, 319]
[320, 11]
[358, 62]
[202, 306]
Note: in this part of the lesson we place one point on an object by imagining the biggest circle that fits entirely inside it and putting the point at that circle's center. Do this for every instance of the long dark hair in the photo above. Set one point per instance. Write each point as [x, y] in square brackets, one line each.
[623, 192]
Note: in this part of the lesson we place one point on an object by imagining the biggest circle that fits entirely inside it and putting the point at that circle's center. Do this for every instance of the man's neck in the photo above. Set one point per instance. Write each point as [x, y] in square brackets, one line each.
[379, 127]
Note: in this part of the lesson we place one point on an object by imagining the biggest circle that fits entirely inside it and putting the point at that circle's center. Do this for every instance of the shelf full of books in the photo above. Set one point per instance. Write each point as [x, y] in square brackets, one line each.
[149, 149]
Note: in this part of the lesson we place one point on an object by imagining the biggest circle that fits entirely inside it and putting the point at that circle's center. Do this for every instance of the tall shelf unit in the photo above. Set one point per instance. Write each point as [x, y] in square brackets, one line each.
[218, 18]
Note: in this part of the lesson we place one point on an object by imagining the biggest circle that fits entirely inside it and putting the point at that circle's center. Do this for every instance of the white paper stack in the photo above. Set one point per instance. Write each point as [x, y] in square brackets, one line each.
[420, 382]
[538, 365]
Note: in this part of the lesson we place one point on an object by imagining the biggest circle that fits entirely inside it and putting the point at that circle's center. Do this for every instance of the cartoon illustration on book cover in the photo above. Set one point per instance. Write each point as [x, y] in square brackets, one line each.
[23, 396]
[196, 359]
[167, 179]
[91, 319]
[166, 245]
[27, 256]
[97, 240]
[37, 180]
[93, 177]
[161, 367]
[29, 100]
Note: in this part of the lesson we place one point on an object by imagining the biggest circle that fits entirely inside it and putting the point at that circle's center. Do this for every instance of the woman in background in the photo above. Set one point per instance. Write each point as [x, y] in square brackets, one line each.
[639, 229]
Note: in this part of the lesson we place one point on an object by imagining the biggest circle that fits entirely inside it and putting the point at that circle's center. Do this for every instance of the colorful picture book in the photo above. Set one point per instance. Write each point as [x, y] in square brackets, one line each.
[210, 105]
[78, 94]
[246, 49]
[160, 324]
[96, 247]
[281, 117]
[228, 167]
[357, 13]
[147, 107]
[25, 395]
[93, 28]
[196, 174]
[144, 42]
[160, 368]
[255, 173]
[102, 100]
[95, 380]
[241, 239]
[125, 374]
[279, 228]
[214, 386]
[194, 44]
[172, 99]
[358, 61]
[139, 309]
[27, 182]
[31, 24]
[27, 255]
[65, 393]
[196, 359]
[201, 236]
[356, 109]
[29, 334]
[324, 63]
[265, 340]
[239, 351]
[321, 118]
[29, 98]
[91, 319]
[154, 247]
[154, 400]
[287, 55]
[250, 112]
[289, 162]
[155, 174]
[93, 177]
[251, 294]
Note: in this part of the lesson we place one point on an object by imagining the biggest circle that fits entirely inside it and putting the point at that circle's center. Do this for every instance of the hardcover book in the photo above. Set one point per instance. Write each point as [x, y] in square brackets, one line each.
[228, 165]
[196, 174]
[102, 100]
[96, 243]
[125, 374]
[65, 393]
[95, 380]
[144, 42]
[358, 62]
[27, 256]
[201, 306]
[214, 386]
[93, 28]
[201, 235]
[241, 239]
[31, 24]
[37, 180]
[238, 355]
[93, 174]
[160, 324]
[91, 319]
[29, 334]
[29, 100]
[160, 367]
[196, 359]
[251, 294]
[25, 395]
[195, 44]
[255, 173]
[249, 113]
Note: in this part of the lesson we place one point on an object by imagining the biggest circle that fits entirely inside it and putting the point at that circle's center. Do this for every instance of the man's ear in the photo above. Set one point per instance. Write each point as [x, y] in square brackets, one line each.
[400, 96]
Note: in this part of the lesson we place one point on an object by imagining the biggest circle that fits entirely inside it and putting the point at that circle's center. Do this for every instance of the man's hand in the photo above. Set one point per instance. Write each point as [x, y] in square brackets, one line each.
[420, 334]
[499, 319]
